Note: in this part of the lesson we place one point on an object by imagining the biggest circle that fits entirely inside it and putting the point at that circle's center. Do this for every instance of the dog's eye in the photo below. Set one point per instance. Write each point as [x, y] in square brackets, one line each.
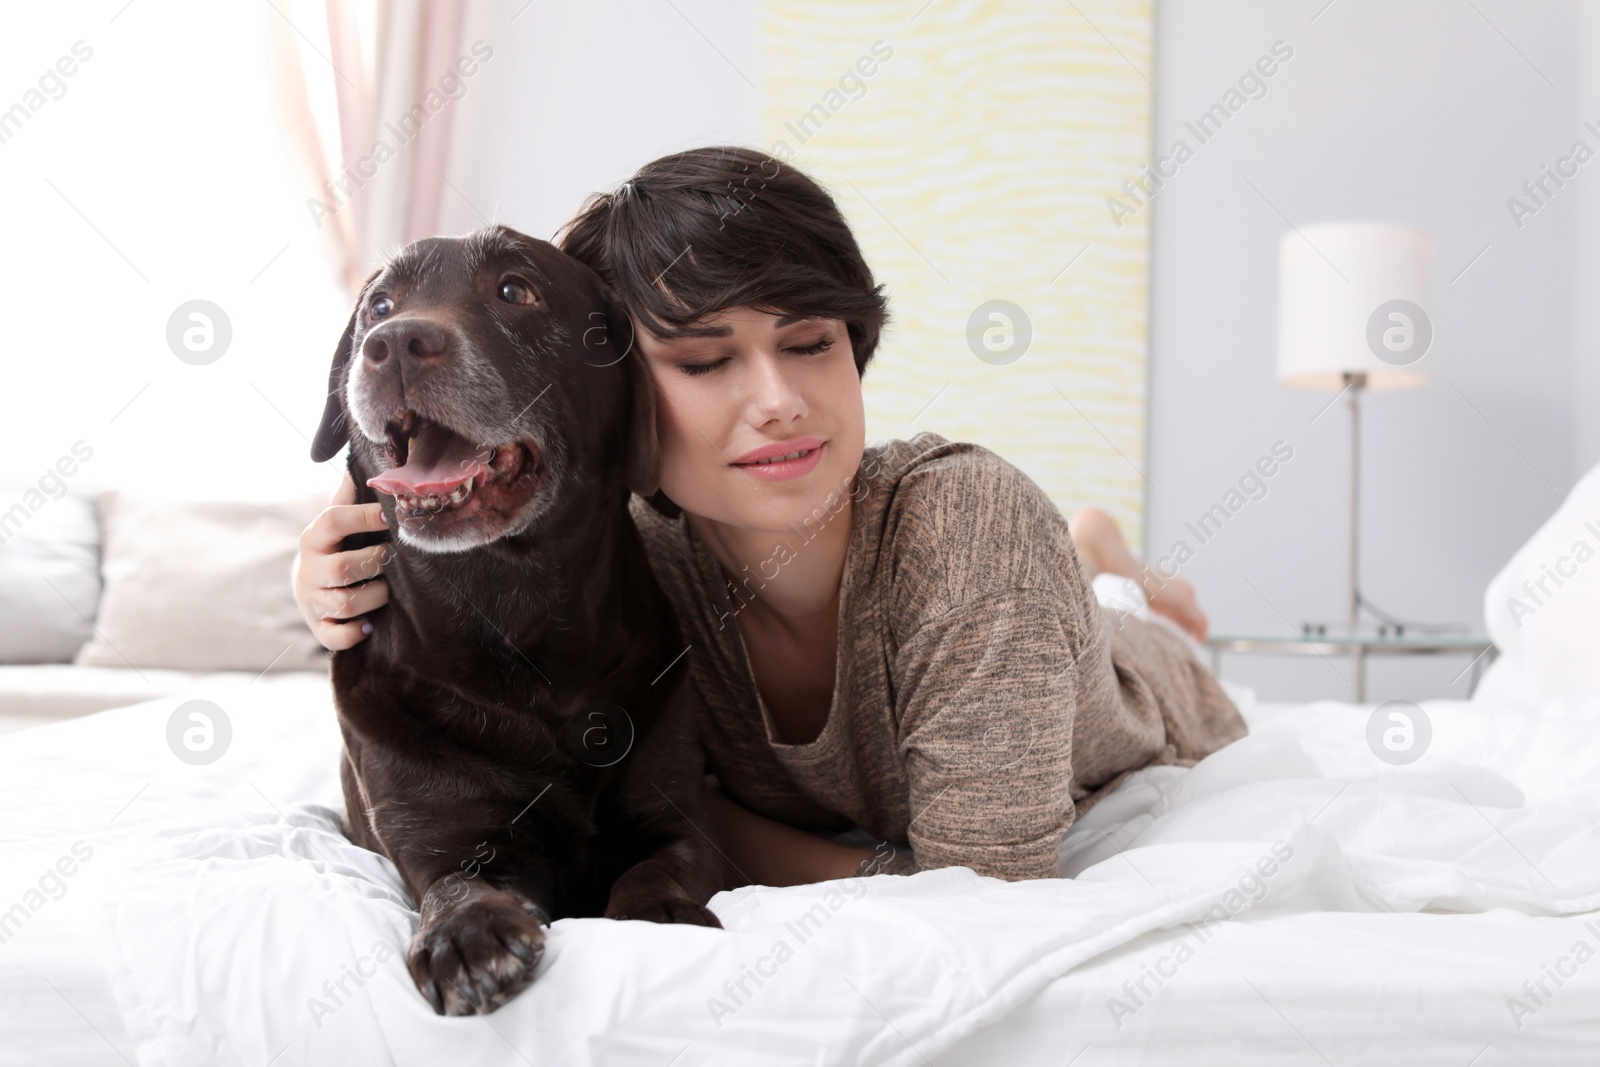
[381, 306]
[513, 291]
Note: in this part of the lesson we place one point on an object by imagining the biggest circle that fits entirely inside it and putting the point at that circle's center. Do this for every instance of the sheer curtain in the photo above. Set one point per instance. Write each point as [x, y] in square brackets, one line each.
[364, 110]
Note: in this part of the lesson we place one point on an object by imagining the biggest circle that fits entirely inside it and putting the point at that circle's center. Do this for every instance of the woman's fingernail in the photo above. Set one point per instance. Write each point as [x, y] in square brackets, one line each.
[366, 627]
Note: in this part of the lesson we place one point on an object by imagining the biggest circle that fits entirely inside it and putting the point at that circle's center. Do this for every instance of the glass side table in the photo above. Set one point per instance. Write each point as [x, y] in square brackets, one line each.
[1358, 646]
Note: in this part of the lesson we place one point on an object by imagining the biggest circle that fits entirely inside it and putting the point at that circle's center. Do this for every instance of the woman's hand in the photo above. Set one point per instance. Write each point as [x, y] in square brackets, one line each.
[322, 573]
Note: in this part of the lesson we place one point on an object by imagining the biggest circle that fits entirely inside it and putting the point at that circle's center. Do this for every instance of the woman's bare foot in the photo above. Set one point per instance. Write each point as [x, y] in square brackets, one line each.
[1100, 545]
[1175, 599]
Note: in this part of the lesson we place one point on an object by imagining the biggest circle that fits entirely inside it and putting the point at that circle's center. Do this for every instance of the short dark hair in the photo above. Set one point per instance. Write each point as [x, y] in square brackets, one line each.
[702, 231]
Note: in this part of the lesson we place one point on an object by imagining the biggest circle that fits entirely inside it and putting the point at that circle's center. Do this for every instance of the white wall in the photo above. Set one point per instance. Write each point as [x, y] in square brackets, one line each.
[579, 95]
[1420, 113]
[1586, 353]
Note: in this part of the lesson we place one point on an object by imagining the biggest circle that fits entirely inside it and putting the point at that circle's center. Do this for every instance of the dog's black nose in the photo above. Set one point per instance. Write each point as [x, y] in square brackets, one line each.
[415, 337]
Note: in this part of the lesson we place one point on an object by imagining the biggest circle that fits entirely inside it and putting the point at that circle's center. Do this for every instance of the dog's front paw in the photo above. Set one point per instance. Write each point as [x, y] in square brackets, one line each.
[477, 955]
[663, 910]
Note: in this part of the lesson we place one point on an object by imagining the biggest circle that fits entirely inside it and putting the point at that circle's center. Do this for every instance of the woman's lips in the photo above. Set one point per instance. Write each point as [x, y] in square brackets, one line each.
[768, 467]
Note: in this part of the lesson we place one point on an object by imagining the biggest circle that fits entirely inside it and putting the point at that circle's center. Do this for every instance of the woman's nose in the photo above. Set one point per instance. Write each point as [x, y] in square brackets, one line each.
[772, 395]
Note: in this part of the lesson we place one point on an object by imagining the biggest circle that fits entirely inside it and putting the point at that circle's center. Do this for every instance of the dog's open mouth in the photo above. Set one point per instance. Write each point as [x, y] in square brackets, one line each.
[437, 475]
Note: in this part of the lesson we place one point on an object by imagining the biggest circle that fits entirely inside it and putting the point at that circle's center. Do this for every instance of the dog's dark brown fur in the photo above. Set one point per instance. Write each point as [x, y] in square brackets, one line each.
[517, 736]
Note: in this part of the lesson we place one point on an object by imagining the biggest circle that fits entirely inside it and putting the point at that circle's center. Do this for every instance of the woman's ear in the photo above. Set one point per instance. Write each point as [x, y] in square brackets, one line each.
[333, 433]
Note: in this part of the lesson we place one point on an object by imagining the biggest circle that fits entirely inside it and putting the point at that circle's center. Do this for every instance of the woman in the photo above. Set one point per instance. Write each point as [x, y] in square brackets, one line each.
[899, 640]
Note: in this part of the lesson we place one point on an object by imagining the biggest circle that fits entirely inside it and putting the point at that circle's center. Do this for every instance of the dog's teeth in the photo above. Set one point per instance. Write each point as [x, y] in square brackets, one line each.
[461, 492]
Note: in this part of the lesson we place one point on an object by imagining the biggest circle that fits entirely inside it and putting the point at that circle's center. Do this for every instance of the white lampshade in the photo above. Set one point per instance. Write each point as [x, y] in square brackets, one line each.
[1354, 298]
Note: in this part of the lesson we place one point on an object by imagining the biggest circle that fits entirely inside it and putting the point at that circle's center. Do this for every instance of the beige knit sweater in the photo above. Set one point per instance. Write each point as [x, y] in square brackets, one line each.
[982, 697]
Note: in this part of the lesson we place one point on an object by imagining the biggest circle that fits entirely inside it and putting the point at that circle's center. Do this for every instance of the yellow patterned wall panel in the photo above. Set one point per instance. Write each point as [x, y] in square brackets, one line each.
[974, 146]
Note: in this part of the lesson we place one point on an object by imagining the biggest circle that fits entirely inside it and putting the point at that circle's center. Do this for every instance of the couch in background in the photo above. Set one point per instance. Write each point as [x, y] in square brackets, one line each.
[110, 598]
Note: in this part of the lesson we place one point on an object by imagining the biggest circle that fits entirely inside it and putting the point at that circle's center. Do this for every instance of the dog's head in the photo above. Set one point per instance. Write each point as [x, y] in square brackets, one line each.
[487, 384]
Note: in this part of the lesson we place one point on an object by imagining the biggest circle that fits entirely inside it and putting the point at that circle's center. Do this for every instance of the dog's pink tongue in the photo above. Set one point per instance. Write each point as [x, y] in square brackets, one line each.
[437, 462]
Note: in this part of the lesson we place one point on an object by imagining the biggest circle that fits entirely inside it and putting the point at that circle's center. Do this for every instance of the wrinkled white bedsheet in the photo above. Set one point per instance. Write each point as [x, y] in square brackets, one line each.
[222, 918]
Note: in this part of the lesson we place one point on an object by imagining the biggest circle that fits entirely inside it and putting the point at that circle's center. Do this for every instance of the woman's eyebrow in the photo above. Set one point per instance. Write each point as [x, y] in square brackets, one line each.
[724, 330]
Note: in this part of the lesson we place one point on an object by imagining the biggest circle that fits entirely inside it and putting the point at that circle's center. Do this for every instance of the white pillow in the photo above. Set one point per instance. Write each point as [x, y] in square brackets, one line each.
[1543, 609]
[49, 574]
[201, 585]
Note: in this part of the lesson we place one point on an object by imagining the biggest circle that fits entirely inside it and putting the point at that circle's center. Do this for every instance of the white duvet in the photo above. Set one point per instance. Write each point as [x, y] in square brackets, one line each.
[233, 924]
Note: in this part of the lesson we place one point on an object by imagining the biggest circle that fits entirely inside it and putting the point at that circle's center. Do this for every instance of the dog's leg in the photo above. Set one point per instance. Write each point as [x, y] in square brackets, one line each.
[671, 885]
[478, 945]
[663, 801]
[484, 887]
[357, 823]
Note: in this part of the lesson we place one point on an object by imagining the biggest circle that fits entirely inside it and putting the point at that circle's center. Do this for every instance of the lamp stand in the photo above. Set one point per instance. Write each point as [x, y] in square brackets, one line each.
[1354, 383]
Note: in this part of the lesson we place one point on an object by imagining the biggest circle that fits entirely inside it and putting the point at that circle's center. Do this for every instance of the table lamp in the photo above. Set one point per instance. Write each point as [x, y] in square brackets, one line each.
[1354, 312]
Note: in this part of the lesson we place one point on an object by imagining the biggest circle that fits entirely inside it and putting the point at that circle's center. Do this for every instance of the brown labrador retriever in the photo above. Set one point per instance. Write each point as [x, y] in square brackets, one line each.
[518, 739]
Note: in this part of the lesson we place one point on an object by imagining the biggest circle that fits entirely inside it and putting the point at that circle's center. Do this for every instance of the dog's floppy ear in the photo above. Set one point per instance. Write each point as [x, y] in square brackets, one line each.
[641, 462]
[334, 431]
[641, 467]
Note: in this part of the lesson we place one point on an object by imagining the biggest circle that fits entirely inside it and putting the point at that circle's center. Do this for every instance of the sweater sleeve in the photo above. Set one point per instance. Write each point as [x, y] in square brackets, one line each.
[997, 634]
[986, 713]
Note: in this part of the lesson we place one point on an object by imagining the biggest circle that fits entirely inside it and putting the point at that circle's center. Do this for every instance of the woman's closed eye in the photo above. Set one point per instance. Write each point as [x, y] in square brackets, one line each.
[816, 348]
[695, 370]
[822, 344]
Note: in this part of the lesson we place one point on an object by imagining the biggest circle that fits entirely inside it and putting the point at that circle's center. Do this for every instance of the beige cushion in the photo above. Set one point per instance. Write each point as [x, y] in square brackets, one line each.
[201, 585]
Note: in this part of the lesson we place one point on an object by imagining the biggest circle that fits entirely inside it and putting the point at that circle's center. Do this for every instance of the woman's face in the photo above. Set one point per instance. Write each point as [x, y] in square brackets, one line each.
[766, 388]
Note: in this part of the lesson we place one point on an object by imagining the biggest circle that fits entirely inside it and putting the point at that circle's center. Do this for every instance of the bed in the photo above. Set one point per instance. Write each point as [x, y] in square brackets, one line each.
[1291, 899]
[1333, 908]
